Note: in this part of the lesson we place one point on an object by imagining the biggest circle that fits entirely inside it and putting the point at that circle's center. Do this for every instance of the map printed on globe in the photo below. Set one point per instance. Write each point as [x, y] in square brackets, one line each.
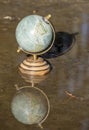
[30, 105]
[34, 34]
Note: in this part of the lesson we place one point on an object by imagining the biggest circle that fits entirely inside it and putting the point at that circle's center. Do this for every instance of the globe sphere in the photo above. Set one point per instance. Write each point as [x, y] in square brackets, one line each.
[34, 34]
[30, 105]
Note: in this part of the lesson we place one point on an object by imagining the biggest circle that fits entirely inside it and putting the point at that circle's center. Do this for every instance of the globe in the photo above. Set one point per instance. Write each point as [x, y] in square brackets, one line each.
[34, 34]
[30, 105]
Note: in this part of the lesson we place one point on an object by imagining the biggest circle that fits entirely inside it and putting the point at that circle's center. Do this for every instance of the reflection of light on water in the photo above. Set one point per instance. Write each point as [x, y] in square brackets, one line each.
[83, 71]
[80, 73]
[87, 69]
[50, 0]
[76, 78]
[80, 76]
[71, 85]
[85, 124]
[84, 30]
[75, 27]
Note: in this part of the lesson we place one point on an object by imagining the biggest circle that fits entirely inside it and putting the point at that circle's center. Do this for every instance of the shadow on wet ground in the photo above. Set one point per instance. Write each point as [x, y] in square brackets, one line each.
[63, 43]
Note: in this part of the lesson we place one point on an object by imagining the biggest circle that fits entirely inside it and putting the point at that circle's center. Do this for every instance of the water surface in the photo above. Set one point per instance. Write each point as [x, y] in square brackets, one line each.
[70, 71]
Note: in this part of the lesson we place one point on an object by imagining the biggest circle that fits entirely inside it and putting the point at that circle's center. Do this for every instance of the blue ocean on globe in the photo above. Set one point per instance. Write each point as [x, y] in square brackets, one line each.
[34, 34]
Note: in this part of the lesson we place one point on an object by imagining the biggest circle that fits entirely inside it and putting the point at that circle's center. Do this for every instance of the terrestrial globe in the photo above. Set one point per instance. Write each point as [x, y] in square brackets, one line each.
[35, 34]
[30, 105]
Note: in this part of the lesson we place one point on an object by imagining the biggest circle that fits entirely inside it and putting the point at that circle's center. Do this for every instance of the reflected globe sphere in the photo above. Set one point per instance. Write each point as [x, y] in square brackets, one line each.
[34, 34]
[30, 105]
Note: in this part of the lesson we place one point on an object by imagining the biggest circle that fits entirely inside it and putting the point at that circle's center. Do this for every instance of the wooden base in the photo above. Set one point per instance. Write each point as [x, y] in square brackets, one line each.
[33, 67]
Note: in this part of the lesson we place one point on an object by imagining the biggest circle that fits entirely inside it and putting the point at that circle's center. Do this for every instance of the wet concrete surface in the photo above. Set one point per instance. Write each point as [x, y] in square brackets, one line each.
[67, 85]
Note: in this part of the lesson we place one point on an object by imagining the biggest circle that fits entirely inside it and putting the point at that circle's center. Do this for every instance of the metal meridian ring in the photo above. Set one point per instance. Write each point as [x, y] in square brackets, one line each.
[40, 53]
[40, 123]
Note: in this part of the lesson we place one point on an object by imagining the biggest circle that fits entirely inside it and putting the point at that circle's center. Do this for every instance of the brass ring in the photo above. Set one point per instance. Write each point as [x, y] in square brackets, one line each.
[40, 53]
[40, 123]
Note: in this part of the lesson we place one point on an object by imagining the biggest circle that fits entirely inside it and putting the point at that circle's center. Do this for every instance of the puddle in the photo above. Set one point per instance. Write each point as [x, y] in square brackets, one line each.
[70, 71]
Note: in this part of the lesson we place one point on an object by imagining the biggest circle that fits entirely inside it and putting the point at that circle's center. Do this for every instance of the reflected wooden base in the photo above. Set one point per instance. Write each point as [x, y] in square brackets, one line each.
[34, 67]
[32, 78]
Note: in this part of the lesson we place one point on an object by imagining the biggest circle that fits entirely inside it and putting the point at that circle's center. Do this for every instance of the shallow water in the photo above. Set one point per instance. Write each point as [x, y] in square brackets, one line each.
[70, 73]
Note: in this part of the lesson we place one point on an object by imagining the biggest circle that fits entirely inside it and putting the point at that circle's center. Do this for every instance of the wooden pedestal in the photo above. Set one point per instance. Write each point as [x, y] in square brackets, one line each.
[33, 67]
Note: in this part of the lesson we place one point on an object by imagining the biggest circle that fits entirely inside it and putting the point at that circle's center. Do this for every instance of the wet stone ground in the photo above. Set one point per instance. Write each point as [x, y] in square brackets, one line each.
[67, 85]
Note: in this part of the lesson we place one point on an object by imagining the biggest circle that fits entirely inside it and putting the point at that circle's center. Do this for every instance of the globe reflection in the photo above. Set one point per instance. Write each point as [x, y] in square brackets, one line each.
[30, 105]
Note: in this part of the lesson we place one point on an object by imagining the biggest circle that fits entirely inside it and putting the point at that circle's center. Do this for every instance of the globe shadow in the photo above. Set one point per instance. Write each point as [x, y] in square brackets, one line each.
[64, 41]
